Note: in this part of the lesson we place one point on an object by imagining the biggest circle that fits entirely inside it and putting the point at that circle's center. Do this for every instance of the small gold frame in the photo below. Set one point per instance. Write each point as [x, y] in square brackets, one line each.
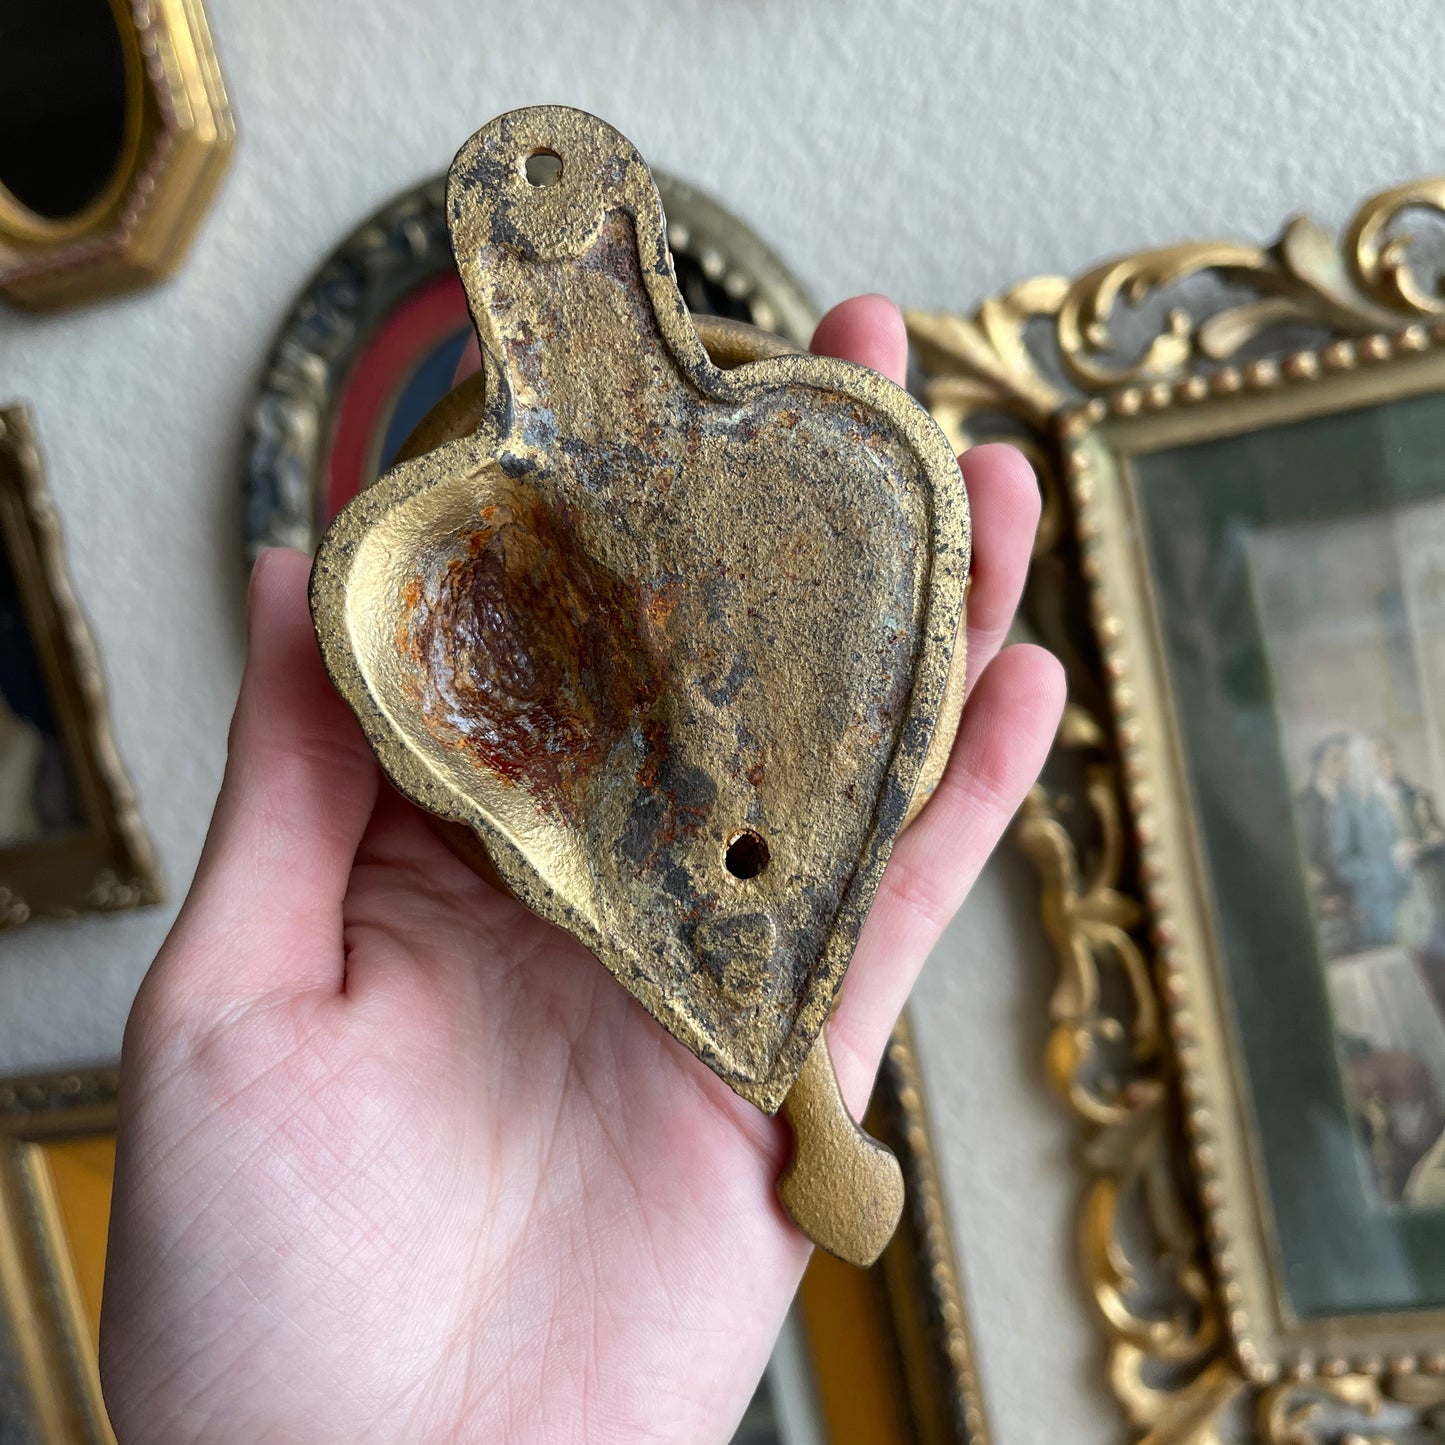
[178, 138]
[1219, 336]
[107, 861]
[890, 1344]
[57, 1154]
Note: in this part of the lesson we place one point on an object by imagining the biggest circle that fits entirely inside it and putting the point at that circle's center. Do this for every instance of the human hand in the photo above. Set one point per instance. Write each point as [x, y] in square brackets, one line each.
[399, 1161]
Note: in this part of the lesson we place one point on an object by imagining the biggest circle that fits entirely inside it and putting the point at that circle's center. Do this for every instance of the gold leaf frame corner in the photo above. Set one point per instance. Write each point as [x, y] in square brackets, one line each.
[43, 1312]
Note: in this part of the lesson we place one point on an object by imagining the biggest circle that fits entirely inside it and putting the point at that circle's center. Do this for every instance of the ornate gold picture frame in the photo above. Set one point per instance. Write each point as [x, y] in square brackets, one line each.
[173, 133]
[70, 833]
[1191, 413]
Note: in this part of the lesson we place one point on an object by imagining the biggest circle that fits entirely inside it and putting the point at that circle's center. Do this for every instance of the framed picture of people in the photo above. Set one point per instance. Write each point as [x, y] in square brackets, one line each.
[1266, 568]
[70, 833]
[1361, 596]
[1239, 835]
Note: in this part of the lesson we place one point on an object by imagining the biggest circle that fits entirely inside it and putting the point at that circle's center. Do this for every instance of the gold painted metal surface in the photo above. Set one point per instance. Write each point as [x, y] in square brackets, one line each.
[843, 1189]
[178, 138]
[1047, 365]
[403, 242]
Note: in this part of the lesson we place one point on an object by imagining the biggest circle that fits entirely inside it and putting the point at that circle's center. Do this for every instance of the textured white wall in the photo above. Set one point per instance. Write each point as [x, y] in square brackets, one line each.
[936, 151]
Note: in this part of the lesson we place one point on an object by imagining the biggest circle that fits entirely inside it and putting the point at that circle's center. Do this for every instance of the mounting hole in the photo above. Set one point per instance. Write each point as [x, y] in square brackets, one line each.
[747, 855]
[542, 168]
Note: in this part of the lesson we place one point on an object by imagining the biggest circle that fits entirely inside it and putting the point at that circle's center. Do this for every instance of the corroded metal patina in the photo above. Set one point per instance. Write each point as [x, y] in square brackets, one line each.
[675, 642]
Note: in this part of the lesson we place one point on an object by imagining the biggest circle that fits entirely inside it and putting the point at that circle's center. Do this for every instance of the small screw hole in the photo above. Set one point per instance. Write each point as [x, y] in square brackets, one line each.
[542, 168]
[747, 855]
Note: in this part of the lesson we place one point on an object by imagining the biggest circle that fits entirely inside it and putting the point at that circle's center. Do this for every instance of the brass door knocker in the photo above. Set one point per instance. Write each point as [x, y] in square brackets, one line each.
[679, 643]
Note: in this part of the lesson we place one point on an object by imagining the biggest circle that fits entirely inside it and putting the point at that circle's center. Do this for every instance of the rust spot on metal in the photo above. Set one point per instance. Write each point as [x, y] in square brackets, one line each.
[661, 602]
[530, 651]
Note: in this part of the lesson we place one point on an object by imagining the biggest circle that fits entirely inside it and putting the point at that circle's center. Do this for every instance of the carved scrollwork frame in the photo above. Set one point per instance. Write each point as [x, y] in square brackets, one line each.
[1040, 365]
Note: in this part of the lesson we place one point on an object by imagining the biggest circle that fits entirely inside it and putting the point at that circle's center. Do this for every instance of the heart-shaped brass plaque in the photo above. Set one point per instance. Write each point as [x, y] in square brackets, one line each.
[677, 643]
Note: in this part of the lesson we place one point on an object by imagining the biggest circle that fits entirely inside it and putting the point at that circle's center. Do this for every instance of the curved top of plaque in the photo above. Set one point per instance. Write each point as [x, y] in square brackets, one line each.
[671, 640]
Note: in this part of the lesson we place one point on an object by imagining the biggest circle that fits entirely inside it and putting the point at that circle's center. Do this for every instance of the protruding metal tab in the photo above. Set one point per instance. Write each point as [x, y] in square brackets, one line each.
[842, 1188]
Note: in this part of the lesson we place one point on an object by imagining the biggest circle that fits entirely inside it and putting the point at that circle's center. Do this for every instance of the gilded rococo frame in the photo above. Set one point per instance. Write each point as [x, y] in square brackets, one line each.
[1053, 365]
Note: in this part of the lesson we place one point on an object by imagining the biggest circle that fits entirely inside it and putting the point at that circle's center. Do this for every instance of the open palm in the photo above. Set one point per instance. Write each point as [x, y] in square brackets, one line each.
[399, 1161]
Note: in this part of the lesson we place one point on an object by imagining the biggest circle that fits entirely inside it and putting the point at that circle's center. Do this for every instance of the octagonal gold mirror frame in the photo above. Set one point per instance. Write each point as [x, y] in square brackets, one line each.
[178, 133]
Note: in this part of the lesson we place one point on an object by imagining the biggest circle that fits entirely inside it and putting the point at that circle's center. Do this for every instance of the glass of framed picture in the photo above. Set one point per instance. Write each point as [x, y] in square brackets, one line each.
[1267, 570]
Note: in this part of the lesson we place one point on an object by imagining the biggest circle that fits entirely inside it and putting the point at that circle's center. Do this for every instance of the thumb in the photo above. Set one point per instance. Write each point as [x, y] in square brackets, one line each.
[264, 913]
